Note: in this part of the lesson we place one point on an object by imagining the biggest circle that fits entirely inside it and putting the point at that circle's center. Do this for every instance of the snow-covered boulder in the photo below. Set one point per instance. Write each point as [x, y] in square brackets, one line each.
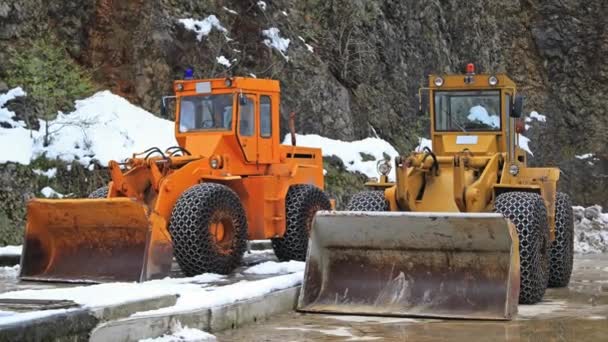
[590, 230]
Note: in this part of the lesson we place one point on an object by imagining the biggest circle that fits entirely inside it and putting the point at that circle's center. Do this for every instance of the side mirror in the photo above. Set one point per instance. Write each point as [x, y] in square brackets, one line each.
[423, 102]
[518, 107]
[163, 106]
[243, 99]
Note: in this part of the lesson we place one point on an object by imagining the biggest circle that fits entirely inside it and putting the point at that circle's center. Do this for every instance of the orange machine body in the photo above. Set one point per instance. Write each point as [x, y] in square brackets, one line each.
[252, 163]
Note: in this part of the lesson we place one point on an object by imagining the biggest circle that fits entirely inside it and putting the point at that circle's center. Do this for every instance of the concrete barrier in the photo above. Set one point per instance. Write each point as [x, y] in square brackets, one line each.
[213, 319]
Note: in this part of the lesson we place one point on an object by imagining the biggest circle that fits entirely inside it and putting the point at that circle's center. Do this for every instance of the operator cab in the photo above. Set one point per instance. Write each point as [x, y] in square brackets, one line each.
[241, 114]
[472, 112]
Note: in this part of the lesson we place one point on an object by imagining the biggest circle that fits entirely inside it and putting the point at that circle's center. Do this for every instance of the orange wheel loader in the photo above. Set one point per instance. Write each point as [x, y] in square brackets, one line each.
[466, 230]
[229, 180]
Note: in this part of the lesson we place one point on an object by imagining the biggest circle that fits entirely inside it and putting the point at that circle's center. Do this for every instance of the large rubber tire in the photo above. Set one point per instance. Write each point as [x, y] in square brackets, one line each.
[528, 213]
[199, 214]
[561, 252]
[100, 193]
[368, 201]
[301, 204]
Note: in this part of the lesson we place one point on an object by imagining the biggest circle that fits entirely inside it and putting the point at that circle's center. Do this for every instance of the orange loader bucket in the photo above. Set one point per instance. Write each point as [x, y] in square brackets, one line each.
[92, 240]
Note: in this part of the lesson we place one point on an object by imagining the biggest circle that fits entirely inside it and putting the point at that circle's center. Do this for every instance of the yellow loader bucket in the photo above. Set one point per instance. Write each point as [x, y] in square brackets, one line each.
[447, 265]
[92, 240]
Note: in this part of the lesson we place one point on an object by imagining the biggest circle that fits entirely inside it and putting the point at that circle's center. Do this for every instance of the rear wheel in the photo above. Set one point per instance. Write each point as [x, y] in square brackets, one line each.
[99, 193]
[301, 204]
[368, 201]
[208, 228]
[562, 248]
[528, 213]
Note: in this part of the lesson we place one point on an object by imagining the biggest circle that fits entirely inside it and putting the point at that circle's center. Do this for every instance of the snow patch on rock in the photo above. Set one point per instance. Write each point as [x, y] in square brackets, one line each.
[274, 40]
[202, 28]
[350, 152]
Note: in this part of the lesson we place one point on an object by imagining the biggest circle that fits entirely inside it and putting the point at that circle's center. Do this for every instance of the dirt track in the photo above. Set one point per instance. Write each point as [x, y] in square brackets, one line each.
[576, 313]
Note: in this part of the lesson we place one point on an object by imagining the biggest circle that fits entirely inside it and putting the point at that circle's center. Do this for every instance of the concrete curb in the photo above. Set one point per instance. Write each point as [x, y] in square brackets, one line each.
[73, 325]
[214, 319]
[77, 324]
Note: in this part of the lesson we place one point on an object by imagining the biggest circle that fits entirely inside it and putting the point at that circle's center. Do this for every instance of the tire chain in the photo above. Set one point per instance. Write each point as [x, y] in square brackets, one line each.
[193, 246]
[562, 248]
[301, 200]
[528, 213]
[368, 201]
[100, 193]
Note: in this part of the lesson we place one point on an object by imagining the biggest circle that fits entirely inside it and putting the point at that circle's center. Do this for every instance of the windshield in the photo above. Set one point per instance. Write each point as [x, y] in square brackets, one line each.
[467, 110]
[202, 113]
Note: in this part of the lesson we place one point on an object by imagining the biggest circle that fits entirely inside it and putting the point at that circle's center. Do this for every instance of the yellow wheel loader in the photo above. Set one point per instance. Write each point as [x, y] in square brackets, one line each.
[466, 230]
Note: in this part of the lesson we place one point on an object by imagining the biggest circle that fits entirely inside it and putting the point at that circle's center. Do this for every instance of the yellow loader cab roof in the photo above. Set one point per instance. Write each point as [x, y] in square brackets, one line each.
[188, 87]
[469, 81]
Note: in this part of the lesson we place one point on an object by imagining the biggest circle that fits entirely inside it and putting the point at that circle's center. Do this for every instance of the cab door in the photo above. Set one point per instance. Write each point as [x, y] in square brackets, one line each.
[247, 127]
[265, 137]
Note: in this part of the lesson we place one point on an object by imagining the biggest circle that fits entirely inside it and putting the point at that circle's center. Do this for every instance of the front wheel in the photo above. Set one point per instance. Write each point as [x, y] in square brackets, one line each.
[301, 204]
[527, 212]
[208, 228]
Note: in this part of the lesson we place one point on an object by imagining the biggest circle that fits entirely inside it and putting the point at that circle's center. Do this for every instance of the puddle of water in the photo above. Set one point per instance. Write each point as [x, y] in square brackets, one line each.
[371, 319]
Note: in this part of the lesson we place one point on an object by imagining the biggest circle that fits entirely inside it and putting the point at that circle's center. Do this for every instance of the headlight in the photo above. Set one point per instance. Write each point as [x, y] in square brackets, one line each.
[438, 81]
[384, 167]
[513, 170]
[228, 82]
[179, 87]
[215, 162]
[492, 80]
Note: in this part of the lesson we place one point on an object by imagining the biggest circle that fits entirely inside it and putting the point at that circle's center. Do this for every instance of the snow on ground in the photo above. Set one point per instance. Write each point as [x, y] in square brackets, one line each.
[350, 152]
[103, 127]
[202, 28]
[11, 250]
[16, 135]
[275, 41]
[584, 156]
[273, 267]
[197, 292]
[183, 334]
[223, 61]
[590, 230]
[221, 295]
[9, 272]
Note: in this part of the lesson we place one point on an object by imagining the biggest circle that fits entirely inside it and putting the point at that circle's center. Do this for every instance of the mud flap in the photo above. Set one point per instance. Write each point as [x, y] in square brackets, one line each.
[445, 265]
[92, 240]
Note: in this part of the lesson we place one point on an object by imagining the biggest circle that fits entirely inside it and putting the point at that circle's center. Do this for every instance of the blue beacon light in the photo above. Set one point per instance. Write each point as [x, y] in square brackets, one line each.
[189, 74]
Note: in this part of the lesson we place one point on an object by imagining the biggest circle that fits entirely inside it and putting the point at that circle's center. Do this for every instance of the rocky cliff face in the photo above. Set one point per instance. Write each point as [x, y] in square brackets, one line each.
[368, 59]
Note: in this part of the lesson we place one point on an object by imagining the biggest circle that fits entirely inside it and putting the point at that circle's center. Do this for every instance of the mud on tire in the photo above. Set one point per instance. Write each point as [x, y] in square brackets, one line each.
[301, 203]
[208, 228]
[100, 193]
[528, 213]
[368, 201]
[561, 251]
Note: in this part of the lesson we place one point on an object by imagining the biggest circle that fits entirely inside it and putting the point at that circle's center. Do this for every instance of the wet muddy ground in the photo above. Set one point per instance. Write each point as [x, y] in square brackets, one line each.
[576, 313]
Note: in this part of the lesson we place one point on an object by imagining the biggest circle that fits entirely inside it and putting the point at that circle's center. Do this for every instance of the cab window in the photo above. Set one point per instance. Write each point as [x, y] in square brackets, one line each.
[246, 118]
[265, 117]
[464, 111]
[205, 113]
